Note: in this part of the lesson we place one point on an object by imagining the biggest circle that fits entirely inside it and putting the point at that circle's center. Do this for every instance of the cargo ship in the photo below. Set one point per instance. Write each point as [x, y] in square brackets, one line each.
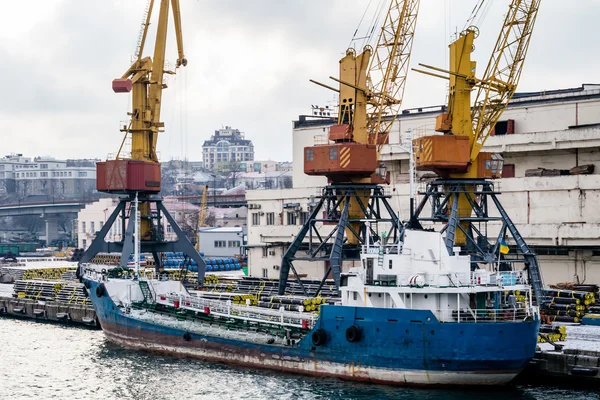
[411, 314]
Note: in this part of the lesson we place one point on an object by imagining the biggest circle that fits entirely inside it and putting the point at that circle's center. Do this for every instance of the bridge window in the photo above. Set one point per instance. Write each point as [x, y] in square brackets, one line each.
[333, 153]
[310, 154]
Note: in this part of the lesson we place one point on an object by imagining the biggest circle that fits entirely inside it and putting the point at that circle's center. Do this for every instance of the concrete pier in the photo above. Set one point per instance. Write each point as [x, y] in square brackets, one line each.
[69, 314]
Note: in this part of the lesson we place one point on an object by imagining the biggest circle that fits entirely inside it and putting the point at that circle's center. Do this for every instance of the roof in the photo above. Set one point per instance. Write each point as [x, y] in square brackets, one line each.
[228, 229]
[586, 90]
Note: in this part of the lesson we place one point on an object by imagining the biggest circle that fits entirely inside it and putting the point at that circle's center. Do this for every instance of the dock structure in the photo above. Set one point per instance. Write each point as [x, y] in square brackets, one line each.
[45, 291]
[60, 312]
[574, 360]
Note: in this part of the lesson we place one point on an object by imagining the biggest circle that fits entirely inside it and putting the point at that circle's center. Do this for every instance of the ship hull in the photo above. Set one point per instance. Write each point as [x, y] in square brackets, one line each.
[398, 347]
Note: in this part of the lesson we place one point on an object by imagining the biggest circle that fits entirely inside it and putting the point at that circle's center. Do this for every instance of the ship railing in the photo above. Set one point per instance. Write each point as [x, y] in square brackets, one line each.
[281, 317]
[501, 278]
[450, 279]
[382, 249]
[461, 315]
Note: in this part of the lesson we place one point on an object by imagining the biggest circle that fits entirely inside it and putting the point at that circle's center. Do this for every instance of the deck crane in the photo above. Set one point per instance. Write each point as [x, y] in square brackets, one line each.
[138, 173]
[462, 196]
[371, 87]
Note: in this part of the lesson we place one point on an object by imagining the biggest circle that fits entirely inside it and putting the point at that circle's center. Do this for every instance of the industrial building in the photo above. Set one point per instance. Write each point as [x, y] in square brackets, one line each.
[221, 242]
[542, 137]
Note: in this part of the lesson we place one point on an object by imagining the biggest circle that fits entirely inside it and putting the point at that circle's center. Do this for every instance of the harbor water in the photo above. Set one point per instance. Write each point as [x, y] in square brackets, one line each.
[47, 361]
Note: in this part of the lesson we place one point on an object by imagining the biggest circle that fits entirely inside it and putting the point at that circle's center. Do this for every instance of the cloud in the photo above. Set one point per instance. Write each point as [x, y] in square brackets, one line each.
[249, 65]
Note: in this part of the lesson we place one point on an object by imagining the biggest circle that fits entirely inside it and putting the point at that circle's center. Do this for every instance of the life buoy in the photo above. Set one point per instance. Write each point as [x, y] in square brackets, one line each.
[353, 334]
[319, 337]
[187, 337]
[100, 290]
[103, 271]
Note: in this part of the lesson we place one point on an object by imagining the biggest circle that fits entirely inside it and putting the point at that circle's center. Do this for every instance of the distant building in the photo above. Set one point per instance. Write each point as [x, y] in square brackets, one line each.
[47, 176]
[264, 180]
[229, 217]
[226, 145]
[221, 242]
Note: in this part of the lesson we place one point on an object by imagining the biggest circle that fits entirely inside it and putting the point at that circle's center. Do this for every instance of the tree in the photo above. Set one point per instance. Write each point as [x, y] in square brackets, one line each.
[231, 170]
[286, 182]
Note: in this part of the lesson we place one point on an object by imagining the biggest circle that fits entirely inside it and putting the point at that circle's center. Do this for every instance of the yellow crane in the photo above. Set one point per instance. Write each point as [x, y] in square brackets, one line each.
[463, 199]
[371, 87]
[456, 153]
[140, 172]
[137, 175]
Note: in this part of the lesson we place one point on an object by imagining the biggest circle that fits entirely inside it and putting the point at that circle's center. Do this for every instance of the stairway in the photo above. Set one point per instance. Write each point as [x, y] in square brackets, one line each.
[146, 292]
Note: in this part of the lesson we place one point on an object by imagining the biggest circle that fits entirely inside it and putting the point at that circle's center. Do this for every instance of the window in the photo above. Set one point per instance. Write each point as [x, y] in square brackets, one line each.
[169, 229]
[92, 227]
[304, 217]
[84, 243]
[390, 265]
[291, 218]
[270, 218]
[333, 153]
[234, 243]
[44, 166]
[265, 251]
[220, 243]
[310, 154]
[70, 173]
[255, 219]
[83, 226]
[508, 171]
[101, 224]
[265, 273]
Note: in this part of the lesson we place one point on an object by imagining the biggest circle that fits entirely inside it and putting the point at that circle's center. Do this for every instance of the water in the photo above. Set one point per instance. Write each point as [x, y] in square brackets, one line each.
[48, 361]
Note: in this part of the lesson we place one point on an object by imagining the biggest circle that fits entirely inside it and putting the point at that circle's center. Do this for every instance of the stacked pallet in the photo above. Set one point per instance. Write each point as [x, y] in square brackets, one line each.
[60, 291]
[262, 292]
[552, 333]
[50, 274]
[569, 302]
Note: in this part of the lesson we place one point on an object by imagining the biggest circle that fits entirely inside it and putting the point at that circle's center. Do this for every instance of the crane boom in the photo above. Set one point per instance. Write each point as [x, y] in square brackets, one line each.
[503, 71]
[371, 87]
[457, 153]
[389, 68]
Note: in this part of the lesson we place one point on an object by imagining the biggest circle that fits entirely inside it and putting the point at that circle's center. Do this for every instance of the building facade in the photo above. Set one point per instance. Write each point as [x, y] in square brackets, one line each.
[225, 146]
[50, 178]
[221, 242]
[542, 136]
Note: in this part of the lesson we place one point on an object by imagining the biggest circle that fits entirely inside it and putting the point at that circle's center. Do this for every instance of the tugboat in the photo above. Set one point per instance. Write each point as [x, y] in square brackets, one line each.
[411, 314]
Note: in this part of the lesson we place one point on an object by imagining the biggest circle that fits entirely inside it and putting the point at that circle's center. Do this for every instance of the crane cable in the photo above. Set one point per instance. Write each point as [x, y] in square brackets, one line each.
[479, 12]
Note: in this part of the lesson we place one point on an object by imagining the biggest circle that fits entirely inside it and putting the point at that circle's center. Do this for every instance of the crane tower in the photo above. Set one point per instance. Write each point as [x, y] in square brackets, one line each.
[138, 173]
[371, 86]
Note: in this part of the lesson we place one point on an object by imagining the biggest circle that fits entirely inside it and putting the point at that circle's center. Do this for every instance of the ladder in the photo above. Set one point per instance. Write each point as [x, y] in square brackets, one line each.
[533, 268]
[146, 292]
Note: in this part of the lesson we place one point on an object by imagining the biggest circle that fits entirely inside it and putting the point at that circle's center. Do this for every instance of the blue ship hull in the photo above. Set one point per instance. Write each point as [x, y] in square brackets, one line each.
[397, 346]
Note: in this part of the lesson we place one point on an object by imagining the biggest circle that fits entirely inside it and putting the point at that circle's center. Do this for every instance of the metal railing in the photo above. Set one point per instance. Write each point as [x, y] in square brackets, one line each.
[221, 308]
[468, 315]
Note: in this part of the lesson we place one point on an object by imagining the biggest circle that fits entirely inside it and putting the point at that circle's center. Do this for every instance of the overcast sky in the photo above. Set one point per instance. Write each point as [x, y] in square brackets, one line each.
[249, 66]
